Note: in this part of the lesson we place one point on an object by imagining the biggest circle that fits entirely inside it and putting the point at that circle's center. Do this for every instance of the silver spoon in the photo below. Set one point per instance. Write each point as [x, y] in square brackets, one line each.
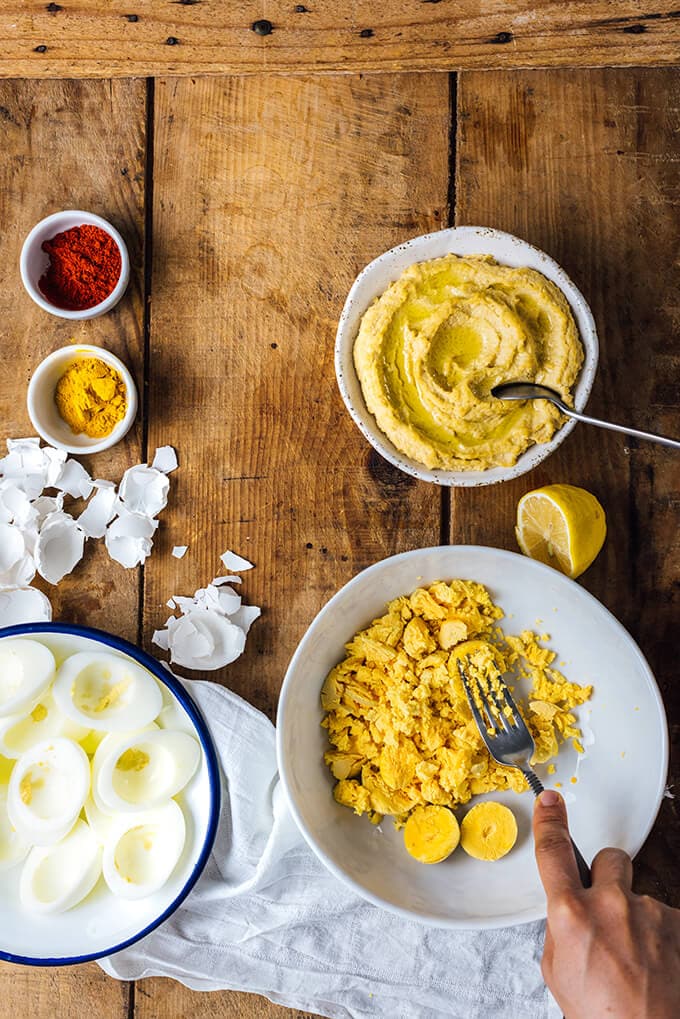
[530, 391]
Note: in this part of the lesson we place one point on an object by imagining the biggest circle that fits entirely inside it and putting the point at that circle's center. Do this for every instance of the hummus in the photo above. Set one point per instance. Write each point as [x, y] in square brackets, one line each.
[431, 348]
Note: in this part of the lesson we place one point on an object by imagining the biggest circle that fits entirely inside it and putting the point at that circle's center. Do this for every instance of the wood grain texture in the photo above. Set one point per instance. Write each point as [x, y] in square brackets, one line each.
[83, 38]
[269, 196]
[160, 998]
[59, 151]
[585, 166]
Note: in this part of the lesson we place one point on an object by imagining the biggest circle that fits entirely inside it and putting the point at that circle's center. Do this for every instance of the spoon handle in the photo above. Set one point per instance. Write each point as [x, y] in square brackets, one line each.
[634, 432]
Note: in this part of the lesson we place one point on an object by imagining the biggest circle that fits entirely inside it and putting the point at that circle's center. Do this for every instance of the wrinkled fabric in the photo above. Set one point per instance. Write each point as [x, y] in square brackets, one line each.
[267, 917]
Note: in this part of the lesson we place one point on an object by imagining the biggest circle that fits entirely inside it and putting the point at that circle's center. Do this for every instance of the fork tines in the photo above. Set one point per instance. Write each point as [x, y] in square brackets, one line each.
[483, 701]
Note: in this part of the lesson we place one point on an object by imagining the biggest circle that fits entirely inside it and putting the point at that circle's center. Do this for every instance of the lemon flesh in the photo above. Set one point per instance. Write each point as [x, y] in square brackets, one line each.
[488, 831]
[562, 526]
[431, 834]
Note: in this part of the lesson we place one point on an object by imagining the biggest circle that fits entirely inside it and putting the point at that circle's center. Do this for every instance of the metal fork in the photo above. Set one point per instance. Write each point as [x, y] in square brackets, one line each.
[509, 742]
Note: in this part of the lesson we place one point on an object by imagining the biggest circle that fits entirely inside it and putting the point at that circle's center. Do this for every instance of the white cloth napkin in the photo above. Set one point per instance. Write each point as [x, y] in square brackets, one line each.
[267, 917]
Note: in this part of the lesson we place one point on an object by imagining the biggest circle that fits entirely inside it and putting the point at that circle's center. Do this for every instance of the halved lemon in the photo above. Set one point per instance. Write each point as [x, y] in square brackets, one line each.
[562, 526]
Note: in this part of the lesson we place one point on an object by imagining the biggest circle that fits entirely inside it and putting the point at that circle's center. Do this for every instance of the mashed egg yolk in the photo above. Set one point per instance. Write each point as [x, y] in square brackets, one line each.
[401, 732]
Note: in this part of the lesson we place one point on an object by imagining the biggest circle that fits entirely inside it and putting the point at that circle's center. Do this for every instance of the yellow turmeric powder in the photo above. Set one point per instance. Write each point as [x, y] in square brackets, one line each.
[91, 397]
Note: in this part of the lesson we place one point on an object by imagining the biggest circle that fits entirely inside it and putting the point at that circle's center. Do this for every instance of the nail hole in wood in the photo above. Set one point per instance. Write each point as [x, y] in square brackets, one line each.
[53, 8]
[40, 49]
[366, 33]
[172, 41]
[502, 38]
[132, 17]
[262, 27]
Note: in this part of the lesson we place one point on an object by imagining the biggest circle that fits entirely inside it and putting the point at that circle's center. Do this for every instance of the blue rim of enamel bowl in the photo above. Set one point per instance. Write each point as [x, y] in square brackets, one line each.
[205, 739]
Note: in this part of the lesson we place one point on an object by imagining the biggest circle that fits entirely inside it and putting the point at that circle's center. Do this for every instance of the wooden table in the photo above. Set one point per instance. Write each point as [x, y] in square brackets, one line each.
[249, 202]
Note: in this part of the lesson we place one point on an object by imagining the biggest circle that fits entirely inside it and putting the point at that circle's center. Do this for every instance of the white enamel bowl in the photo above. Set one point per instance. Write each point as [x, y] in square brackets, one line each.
[103, 924]
[462, 240]
[620, 778]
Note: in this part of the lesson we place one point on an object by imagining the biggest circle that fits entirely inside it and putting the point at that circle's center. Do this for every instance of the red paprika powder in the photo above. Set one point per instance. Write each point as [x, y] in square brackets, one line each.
[85, 265]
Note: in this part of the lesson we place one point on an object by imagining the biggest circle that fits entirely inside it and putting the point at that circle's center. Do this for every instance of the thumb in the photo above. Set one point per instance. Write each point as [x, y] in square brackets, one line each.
[554, 854]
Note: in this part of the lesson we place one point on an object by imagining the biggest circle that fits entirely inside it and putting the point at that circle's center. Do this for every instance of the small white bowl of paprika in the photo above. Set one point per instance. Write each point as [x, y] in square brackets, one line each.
[75, 264]
[82, 399]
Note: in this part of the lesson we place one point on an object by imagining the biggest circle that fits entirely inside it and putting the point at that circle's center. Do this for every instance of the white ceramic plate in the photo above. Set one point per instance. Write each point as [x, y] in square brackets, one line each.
[103, 924]
[621, 776]
[461, 240]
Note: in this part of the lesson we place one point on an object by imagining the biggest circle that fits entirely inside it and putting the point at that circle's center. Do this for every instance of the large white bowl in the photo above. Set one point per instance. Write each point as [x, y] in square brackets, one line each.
[621, 777]
[102, 924]
[461, 240]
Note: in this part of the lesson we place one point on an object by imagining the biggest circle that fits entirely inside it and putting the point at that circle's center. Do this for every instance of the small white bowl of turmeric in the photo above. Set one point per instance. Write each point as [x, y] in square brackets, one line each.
[82, 399]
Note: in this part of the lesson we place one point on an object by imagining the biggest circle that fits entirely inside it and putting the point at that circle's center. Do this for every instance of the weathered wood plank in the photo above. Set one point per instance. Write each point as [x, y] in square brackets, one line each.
[585, 165]
[83, 38]
[71, 145]
[269, 196]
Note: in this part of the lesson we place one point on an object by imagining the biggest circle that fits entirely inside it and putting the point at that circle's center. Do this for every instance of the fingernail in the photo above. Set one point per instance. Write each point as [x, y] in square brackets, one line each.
[548, 798]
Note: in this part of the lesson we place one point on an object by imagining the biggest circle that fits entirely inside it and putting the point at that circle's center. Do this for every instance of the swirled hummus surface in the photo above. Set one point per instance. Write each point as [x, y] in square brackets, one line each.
[433, 345]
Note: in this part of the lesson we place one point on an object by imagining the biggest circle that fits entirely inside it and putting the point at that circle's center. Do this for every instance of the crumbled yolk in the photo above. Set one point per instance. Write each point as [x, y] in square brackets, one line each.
[39, 712]
[133, 759]
[399, 724]
[112, 695]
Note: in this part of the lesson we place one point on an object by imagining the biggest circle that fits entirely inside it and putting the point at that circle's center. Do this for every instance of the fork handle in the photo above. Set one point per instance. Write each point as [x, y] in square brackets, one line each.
[583, 868]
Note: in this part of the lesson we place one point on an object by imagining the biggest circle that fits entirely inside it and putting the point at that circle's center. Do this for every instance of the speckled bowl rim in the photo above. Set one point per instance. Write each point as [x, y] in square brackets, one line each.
[376, 277]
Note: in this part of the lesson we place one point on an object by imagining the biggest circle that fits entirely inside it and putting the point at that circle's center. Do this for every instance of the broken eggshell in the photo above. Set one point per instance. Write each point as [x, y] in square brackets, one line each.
[204, 639]
[99, 511]
[144, 490]
[235, 562]
[128, 538]
[165, 459]
[24, 605]
[59, 547]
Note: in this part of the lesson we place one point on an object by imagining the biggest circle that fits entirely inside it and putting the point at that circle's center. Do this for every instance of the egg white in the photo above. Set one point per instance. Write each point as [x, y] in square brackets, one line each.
[106, 692]
[143, 850]
[145, 770]
[47, 790]
[26, 670]
[56, 878]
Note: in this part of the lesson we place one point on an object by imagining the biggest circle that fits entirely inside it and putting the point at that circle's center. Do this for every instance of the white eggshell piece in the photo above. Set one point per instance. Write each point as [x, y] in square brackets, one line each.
[106, 691]
[20, 575]
[74, 480]
[160, 638]
[59, 547]
[146, 770]
[56, 878]
[179, 551]
[26, 670]
[47, 789]
[128, 539]
[205, 639]
[218, 581]
[24, 605]
[13, 848]
[144, 490]
[46, 504]
[12, 546]
[54, 460]
[142, 853]
[98, 512]
[246, 616]
[25, 465]
[18, 733]
[235, 562]
[165, 459]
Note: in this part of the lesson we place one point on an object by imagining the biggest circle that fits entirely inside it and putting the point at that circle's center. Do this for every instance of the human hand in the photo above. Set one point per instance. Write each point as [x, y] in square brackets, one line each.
[608, 952]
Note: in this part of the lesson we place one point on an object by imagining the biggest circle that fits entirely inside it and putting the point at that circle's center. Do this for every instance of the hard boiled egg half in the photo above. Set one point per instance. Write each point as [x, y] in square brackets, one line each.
[143, 770]
[142, 852]
[55, 878]
[106, 692]
[26, 670]
[47, 789]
